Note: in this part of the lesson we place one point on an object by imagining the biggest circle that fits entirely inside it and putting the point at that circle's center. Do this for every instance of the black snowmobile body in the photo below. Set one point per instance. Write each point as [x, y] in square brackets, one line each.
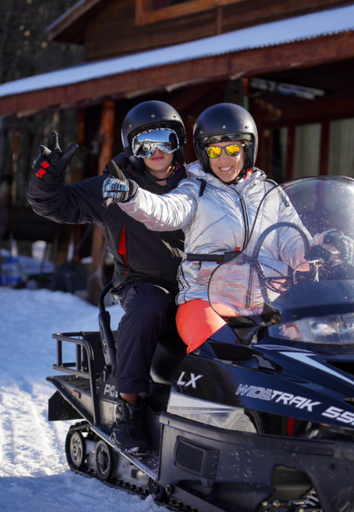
[261, 416]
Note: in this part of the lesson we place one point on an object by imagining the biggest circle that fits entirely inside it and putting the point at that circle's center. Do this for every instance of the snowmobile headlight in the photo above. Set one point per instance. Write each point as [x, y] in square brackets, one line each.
[329, 329]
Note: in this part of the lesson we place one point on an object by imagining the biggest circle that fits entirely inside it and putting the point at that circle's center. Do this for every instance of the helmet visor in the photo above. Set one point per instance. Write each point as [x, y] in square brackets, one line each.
[215, 139]
[146, 143]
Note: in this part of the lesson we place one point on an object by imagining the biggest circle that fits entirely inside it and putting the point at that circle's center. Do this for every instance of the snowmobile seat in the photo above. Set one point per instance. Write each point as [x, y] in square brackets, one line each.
[168, 356]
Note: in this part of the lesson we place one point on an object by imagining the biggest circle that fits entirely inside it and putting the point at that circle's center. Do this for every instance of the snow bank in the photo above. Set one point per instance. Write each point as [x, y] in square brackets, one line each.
[34, 475]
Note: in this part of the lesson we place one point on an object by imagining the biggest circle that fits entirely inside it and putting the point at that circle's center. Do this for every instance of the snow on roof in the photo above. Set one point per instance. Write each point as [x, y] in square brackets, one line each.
[308, 26]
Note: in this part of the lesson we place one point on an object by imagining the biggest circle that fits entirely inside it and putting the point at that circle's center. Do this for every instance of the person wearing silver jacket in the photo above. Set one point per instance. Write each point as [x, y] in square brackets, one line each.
[216, 207]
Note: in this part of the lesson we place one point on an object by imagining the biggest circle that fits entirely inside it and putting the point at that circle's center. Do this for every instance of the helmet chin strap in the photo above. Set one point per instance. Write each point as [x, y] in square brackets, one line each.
[243, 172]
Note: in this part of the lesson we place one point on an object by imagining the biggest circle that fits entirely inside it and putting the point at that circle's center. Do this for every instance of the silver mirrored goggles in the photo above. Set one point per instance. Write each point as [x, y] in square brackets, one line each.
[146, 143]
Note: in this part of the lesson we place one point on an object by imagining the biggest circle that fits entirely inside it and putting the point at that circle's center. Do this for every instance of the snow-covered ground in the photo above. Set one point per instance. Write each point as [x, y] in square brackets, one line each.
[34, 475]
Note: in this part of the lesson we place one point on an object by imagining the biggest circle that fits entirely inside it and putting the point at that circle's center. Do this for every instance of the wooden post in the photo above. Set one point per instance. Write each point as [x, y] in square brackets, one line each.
[246, 91]
[324, 148]
[290, 154]
[106, 136]
[77, 173]
[218, 21]
[266, 150]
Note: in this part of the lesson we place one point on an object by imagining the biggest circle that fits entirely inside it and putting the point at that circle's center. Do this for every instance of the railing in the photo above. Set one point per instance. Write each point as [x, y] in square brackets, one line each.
[86, 364]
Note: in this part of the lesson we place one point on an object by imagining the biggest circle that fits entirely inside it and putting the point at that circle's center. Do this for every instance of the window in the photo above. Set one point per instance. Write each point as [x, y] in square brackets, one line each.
[307, 150]
[305, 157]
[153, 11]
[341, 148]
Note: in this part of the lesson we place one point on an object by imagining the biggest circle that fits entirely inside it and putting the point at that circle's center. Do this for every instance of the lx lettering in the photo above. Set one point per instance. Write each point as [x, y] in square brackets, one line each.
[191, 382]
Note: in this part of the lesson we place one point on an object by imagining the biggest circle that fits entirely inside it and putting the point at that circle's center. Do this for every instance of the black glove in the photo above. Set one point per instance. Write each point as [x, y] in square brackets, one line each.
[51, 163]
[117, 190]
[342, 243]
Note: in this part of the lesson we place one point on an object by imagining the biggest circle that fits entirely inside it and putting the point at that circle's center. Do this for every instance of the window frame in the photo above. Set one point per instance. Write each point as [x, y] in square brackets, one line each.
[144, 16]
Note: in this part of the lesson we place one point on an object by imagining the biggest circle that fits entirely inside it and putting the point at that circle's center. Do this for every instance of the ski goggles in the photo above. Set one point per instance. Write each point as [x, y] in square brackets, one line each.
[230, 150]
[146, 143]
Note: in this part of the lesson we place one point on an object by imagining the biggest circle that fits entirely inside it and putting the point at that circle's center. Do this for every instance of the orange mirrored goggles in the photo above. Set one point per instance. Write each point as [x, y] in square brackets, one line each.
[215, 151]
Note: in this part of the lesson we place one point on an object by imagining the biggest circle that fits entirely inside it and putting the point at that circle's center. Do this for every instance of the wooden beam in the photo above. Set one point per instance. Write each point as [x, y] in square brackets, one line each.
[218, 21]
[70, 17]
[300, 54]
[144, 16]
[106, 135]
[313, 112]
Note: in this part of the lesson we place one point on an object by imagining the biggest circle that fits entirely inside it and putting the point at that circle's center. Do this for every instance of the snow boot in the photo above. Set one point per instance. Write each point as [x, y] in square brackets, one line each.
[129, 431]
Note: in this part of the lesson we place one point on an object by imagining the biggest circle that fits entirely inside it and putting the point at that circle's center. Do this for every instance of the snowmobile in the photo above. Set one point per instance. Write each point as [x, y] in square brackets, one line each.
[260, 418]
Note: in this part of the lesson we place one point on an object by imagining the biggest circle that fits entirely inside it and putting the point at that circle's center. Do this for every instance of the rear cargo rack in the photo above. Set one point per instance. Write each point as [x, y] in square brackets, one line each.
[89, 363]
[84, 354]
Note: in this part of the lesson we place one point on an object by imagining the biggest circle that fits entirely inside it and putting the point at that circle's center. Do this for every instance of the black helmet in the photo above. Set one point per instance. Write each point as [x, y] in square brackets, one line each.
[223, 122]
[148, 115]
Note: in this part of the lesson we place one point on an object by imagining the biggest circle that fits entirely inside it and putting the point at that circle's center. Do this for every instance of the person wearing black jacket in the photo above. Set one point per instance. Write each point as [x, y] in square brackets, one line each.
[145, 262]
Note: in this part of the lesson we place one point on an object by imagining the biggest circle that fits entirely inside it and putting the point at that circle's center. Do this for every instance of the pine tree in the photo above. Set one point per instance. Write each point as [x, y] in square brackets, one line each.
[26, 51]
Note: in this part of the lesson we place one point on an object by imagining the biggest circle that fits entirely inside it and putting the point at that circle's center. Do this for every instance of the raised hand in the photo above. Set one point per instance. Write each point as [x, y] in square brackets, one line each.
[51, 162]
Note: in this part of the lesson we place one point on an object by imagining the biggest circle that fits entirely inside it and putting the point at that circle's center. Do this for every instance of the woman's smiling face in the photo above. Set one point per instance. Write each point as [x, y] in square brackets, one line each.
[226, 167]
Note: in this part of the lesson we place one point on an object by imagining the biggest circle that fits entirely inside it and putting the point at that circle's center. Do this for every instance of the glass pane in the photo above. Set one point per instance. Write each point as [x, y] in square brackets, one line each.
[341, 148]
[307, 150]
[271, 281]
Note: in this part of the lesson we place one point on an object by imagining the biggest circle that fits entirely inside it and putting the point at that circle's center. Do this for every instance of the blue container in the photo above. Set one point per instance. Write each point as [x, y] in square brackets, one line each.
[11, 274]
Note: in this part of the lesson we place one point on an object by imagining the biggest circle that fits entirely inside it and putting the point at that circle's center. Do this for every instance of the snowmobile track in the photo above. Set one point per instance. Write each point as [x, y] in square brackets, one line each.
[166, 502]
[174, 505]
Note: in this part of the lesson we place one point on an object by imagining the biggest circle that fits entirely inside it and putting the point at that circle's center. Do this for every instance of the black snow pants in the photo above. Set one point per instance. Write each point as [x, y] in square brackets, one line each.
[149, 310]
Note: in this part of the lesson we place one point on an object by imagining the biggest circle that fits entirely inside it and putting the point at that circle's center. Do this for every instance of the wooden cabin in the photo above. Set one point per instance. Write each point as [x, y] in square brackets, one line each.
[290, 63]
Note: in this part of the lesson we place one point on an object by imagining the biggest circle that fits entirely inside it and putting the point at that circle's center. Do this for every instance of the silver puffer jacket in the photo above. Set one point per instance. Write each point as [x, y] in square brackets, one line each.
[219, 220]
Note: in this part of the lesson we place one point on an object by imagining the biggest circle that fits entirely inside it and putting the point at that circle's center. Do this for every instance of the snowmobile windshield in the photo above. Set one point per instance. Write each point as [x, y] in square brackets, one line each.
[278, 277]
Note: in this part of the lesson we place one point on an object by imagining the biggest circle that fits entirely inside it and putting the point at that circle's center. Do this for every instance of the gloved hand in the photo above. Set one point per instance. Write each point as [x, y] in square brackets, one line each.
[51, 163]
[117, 190]
[342, 243]
[323, 252]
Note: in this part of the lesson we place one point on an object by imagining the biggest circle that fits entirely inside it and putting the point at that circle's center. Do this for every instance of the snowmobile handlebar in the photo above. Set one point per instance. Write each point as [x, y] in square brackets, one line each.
[218, 258]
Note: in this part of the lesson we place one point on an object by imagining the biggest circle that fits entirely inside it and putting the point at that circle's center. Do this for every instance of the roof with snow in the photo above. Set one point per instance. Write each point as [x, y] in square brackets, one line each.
[309, 26]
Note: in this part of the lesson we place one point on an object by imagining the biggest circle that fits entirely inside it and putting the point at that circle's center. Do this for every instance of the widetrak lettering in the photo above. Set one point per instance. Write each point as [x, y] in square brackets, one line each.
[273, 395]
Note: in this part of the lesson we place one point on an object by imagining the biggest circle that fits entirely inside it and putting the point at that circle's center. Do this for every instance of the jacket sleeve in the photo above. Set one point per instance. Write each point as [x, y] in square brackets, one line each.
[71, 204]
[168, 212]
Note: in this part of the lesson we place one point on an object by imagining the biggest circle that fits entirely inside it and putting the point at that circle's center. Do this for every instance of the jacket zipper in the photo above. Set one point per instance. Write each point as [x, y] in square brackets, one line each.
[245, 218]
[247, 229]
[247, 234]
